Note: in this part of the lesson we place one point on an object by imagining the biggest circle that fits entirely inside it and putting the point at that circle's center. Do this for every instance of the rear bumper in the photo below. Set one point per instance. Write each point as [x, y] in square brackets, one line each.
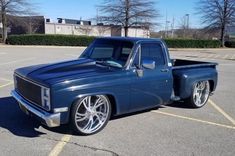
[49, 119]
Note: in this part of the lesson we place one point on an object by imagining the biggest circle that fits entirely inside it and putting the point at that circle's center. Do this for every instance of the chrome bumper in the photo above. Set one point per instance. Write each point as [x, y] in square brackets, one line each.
[51, 120]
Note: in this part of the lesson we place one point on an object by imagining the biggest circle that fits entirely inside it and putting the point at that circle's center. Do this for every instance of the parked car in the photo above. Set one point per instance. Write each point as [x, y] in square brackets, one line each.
[113, 76]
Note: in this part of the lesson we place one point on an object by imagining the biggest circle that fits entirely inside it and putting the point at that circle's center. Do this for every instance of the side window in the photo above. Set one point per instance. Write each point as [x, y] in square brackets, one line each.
[152, 51]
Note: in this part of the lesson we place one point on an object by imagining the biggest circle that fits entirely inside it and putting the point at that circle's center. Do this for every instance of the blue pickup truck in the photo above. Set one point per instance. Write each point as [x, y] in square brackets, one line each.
[113, 76]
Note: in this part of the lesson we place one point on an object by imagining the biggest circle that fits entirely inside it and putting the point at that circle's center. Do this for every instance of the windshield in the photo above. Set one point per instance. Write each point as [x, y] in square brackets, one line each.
[109, 52]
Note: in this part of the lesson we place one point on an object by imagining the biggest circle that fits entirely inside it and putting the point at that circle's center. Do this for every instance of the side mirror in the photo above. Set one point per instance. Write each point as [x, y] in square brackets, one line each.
[149, 64]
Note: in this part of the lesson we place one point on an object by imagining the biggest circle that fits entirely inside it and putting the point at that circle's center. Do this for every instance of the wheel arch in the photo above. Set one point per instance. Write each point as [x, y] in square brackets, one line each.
[110, 96]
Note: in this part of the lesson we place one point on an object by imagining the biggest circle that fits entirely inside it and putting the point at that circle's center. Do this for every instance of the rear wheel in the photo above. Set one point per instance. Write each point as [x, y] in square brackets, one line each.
[90, 114]
[200, 94]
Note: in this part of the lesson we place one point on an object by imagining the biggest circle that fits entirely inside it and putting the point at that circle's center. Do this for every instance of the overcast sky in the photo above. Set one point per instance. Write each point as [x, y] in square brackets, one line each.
[87, 9]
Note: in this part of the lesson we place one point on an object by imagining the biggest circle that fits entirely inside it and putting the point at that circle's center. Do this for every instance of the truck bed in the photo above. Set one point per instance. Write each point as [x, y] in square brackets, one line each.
[187, 72]
[184, 64]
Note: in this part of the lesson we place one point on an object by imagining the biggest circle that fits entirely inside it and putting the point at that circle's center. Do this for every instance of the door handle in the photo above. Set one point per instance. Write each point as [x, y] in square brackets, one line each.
[165, 70]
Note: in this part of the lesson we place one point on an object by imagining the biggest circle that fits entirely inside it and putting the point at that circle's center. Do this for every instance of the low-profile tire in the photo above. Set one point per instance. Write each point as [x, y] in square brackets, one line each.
[90, 114]
[199, 95]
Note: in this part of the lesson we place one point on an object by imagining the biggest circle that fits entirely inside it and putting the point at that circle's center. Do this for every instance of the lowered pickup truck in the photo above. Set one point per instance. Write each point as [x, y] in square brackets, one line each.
[113, 76]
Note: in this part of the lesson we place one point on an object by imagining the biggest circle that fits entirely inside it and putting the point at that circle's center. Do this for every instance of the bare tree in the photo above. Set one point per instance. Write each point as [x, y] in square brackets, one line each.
[217, 15]
[103, 29]
[184, 27]
[85, 29]
[128, 13]
[12, 7]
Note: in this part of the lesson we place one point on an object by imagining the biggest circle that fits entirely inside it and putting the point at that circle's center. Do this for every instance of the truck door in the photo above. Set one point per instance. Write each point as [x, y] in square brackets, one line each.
[154, 87]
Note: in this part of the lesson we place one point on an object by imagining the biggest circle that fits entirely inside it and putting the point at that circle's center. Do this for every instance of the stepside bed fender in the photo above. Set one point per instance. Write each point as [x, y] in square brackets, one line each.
[185, 78]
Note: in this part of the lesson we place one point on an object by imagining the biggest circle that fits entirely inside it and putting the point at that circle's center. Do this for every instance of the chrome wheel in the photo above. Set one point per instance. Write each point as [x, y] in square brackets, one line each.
[92, 113]
[201, 93]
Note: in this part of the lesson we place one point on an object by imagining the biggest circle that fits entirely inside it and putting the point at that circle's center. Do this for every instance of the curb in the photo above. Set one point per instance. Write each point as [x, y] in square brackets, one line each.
[201, 49]
[39, 46]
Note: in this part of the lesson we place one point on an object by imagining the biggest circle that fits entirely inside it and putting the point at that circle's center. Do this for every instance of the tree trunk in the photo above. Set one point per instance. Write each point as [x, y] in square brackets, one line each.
[126, 31]
[222, 36]
[127, 9]
[4, 26]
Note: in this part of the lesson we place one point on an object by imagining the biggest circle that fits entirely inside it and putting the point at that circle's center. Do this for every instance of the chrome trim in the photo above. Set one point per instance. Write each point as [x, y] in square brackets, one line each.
[51, 119]
[43, 97]
[37, 84]
[30, 81]
[61, 110]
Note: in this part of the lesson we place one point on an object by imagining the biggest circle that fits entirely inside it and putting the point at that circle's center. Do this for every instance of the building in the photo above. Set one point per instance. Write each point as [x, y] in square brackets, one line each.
[63, 26]
[81, 27]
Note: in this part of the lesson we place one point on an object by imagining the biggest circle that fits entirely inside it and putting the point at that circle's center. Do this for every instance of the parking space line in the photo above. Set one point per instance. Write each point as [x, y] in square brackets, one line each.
[194, 119]
[8, 84]
[211, 55]
[17, 61]
[222, 111]
[5, 79]
[233, 57]
[60, 145]
[225, 56]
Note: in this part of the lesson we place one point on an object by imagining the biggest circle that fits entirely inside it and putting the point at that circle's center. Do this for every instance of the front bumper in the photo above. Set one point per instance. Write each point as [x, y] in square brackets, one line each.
[50, 119]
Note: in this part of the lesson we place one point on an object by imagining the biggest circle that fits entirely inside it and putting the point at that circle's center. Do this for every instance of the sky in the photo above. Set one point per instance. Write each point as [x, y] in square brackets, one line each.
[87, 9]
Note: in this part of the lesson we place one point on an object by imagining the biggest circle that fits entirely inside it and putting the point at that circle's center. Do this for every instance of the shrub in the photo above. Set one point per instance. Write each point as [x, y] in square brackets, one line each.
[230, 44]
[71, 40]
[191, 43]
[58, 40]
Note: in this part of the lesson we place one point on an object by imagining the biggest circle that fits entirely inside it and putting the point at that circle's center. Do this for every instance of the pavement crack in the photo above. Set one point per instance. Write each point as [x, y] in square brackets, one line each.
[84, 146]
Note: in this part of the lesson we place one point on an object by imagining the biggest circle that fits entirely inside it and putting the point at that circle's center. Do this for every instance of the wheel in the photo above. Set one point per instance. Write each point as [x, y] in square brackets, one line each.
[90, 114]
[200, 94]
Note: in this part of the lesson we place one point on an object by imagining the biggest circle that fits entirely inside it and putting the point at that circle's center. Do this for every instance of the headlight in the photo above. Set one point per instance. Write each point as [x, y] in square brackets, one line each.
[45, 96]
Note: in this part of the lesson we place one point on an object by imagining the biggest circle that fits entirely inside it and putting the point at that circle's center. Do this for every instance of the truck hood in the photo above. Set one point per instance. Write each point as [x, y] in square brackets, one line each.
[59, 72]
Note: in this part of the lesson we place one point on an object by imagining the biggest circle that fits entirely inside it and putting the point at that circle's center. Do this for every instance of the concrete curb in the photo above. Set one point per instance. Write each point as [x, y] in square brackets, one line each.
[202, 49]
[37, 46]
[77, 47]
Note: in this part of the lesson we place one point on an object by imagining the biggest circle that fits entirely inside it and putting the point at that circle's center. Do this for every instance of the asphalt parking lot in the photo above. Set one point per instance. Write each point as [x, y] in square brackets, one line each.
[168, 130]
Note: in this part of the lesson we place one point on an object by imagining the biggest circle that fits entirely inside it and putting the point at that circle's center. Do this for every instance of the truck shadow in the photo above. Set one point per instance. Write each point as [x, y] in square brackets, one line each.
[180, 104]
[14, 121]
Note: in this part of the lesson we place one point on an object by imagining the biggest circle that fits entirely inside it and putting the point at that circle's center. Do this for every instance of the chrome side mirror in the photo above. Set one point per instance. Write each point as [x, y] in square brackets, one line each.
[149, 64]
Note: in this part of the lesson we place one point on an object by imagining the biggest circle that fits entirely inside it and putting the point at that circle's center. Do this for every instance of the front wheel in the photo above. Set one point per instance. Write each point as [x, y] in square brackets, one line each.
[200, 94]
[90, 114]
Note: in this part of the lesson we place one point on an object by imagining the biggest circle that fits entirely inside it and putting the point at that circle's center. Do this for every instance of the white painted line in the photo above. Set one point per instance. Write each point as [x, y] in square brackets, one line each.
[17, 61]
[225, 56]
[212, 55]
[8, 84]
[222, 111]
[60, 145]
[233, 57]
[5, 79]
[3, 53]
[194, 119]
[216, 56]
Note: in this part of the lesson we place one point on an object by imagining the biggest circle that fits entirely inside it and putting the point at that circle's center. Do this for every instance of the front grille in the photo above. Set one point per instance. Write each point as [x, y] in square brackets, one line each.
[30, 91]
